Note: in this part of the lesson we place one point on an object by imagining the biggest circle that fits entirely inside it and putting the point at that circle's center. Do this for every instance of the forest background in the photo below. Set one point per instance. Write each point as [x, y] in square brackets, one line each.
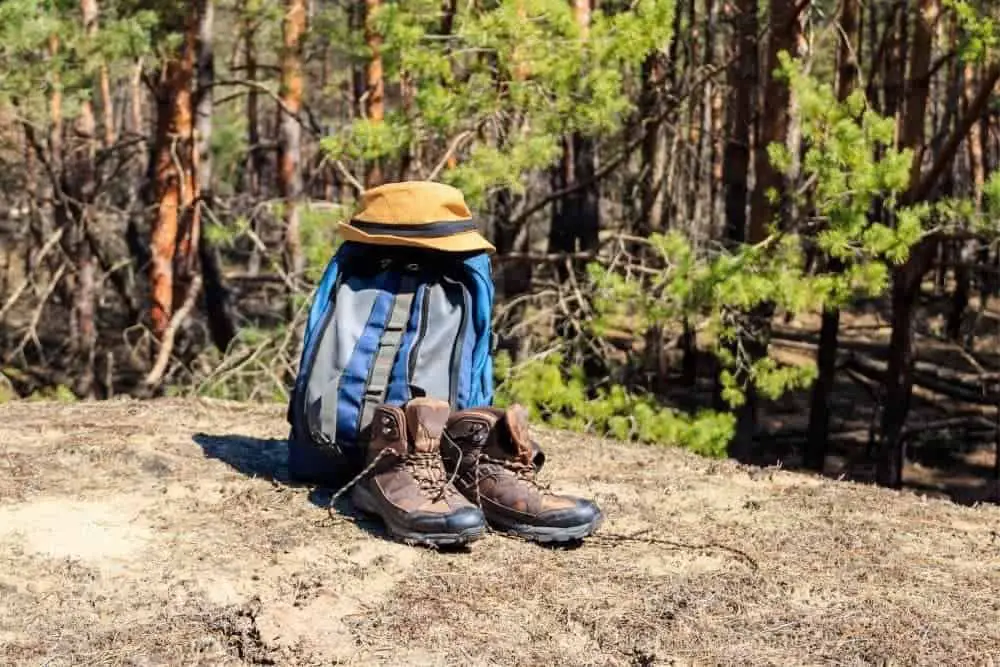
[763, 229]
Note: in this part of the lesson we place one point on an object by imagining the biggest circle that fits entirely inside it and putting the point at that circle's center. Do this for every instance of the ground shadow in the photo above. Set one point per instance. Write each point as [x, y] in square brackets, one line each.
[954, 460]
[267, 458]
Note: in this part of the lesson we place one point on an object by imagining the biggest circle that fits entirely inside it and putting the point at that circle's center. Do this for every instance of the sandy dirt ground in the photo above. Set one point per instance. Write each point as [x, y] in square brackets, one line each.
[165, 533]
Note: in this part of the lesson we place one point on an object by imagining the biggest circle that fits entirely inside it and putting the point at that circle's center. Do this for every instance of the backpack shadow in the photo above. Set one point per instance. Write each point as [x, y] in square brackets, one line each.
[267, 458]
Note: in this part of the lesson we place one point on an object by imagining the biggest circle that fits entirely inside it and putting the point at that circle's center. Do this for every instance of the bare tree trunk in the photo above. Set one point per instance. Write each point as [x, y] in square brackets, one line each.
[55, 112]
[714, 122]
[90, 18]
[654, 146]
[83, 329]
[826, 357]
[785, 26]
[204, 99]
[906, 279]
[977, 178]
[175, 228]
[577, 223]
[586, 201]
[743, 80]
[695, 134]
[217, 302]
[742, 77]
[374, 83]
[255, 157]
[290, 145]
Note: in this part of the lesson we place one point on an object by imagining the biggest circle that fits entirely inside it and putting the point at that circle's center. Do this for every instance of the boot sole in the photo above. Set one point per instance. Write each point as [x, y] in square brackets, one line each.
[548, 534]
[364, 501]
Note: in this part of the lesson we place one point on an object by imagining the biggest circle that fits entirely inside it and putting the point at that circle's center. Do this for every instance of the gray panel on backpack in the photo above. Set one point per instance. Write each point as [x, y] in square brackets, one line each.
[353, 308]
[443, 325]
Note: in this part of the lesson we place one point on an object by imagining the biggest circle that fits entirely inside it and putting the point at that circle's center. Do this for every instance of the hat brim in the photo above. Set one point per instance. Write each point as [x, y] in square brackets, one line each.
[471, 241]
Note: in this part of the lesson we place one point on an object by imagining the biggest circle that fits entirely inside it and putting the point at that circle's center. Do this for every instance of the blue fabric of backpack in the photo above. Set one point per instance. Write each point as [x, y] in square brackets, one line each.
[387, 324]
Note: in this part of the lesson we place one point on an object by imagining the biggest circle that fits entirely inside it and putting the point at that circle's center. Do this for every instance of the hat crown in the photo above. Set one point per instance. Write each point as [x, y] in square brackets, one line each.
[413, 202]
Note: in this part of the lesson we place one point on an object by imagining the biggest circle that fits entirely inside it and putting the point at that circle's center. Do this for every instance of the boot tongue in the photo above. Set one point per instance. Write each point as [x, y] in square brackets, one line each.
[512, 434]
[425, 421]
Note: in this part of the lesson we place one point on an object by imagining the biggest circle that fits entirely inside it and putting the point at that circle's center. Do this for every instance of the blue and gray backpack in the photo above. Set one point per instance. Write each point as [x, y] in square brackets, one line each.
[387, 324]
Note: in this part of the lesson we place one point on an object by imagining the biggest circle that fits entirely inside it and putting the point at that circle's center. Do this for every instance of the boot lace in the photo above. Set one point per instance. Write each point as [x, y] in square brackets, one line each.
[523, 471]
[428, 471]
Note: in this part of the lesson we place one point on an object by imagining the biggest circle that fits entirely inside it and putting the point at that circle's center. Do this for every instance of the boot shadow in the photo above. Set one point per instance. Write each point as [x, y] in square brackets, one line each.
[264, 458]
[267, 458]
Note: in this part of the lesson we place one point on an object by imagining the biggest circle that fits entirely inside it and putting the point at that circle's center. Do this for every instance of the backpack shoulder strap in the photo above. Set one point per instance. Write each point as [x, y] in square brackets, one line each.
[388, 347]
[481, 286]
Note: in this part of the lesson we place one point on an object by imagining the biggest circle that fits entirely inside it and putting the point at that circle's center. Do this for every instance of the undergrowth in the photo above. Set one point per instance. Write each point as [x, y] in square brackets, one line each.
[562, 398]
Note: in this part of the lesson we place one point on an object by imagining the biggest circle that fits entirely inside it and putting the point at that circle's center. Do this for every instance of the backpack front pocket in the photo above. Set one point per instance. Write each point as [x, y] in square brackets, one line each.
[321, 412]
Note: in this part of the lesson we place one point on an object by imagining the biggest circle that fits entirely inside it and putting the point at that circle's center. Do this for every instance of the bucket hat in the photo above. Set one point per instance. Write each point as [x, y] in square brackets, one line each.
[419, 214]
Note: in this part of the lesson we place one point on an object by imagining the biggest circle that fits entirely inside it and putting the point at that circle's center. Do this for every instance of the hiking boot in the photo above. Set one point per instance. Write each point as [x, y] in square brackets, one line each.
[407, 486]
[496, 464]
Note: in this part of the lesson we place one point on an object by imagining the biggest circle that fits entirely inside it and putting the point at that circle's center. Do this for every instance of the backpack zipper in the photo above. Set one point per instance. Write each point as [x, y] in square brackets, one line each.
[425, 304]
[456, 352]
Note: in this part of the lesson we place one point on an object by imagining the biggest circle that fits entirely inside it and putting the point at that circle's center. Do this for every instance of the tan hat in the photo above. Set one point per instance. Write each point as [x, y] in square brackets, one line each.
[419, 214]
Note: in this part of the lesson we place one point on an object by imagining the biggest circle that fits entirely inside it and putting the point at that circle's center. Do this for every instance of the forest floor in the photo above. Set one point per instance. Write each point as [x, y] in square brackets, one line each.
[165, 533]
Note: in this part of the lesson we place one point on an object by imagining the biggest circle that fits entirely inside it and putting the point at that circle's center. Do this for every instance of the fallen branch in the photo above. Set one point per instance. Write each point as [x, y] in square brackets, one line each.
[167, 344]
[933, 386]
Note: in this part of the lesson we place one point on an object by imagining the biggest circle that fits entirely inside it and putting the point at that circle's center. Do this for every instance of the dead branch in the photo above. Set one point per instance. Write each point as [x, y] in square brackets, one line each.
[31, 335]
[49, 243]
[452, 149]
[167, 344]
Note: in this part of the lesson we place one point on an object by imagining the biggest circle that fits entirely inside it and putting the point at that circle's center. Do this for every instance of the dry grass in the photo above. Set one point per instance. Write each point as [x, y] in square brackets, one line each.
[154, 534]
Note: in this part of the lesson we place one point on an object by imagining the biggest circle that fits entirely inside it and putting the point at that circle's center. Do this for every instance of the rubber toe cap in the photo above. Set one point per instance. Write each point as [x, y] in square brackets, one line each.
[583, 512]
[466, 518]
[459, 521]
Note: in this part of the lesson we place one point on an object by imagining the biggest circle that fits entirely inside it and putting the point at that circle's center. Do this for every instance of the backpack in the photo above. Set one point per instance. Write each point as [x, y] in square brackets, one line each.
[387, 324]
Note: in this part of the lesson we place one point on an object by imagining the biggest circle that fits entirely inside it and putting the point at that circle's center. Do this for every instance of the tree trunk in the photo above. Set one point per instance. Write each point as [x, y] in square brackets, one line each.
[83, 330]
[713, 120]
[906, 279]
[513, 277]
[578, 223]
[135, 101]
[743, 79]
[695, 134]
[894, 65]
[290, 144]
[826, 355]
[784, 36]
[175, 228]
[374, 83]
[89, 9]
[218, 308]
[977, 180]
[586, 201]
[204, 100]
[654, 146]
[55, 112]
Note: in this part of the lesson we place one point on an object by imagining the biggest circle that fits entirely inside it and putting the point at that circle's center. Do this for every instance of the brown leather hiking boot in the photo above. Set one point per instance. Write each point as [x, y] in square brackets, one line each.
[497, 462]
[408, 487]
